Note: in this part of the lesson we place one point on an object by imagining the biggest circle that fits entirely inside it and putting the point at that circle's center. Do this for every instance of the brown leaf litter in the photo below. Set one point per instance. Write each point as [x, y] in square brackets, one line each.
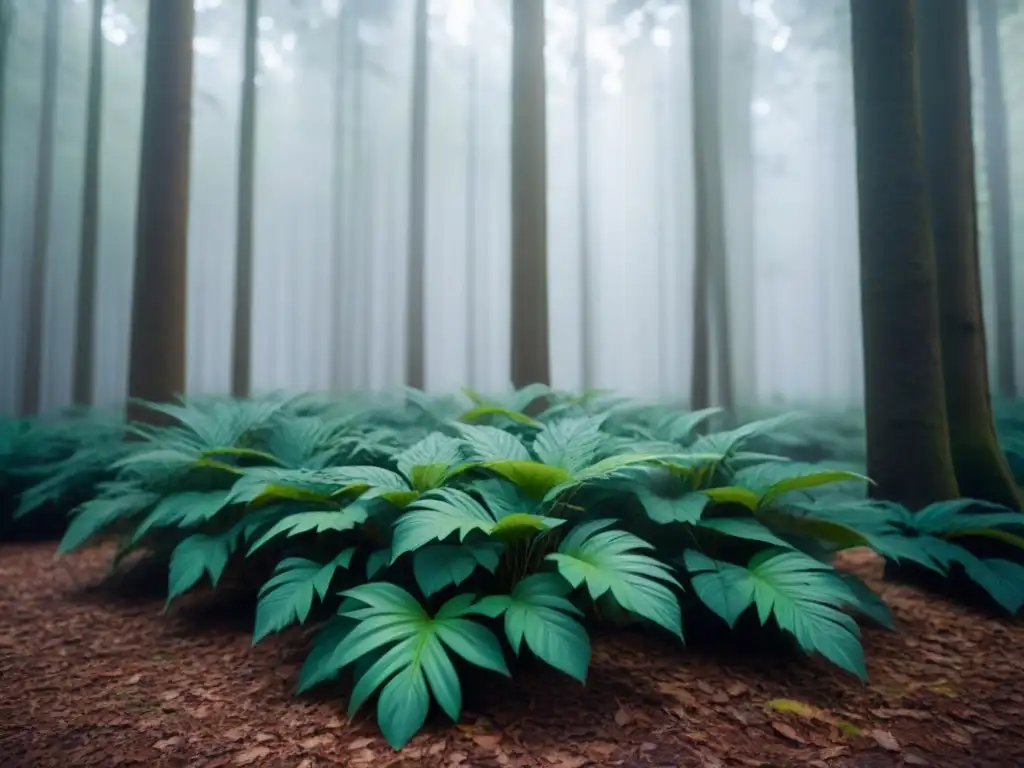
[89, 682]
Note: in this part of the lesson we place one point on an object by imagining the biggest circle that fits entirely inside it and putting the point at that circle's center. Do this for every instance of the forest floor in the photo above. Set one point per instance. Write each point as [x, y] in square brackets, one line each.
[87, 679]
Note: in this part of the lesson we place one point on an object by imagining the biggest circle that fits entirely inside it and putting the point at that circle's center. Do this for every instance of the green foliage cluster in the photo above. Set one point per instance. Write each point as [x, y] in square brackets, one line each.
[445, 534]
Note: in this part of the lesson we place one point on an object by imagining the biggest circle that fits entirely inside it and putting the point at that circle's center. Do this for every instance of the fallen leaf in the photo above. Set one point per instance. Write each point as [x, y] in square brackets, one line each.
[487, 740]
[251, 755]
[885, 740]
[785, 730]
[315, 742]
[359, 744]
[737, 689]
[262, 737]
[912, 759]
[792, 707]
[165, 744]
[623, 717]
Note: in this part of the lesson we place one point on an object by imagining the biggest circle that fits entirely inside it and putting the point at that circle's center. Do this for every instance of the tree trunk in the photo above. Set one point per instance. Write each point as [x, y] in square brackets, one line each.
[157, 364]
[241, 351]
[6, 30]
[415, 363]
[35, 308]
[472, 195]
[85, 311]
[997, 173]
[945, 92]
[907, 436]
[583, 191]
[710, 285]
[530, 352]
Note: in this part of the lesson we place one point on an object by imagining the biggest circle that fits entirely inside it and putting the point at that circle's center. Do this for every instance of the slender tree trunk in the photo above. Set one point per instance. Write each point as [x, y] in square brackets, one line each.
[6, 30]
[907, 436]
[415, 363]
[710, 275]
[241, 351]
[997, 173]
[530, 351]
[85, 317]
[32, 376]
[583, 190]
[945, 91]
[157, 365]
[472, 192]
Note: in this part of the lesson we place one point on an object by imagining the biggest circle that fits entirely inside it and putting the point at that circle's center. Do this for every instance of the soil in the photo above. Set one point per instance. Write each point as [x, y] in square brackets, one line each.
[91, 679]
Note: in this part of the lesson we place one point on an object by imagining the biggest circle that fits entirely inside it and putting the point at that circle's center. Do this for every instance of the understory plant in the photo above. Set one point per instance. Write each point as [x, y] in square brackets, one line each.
[441, 535]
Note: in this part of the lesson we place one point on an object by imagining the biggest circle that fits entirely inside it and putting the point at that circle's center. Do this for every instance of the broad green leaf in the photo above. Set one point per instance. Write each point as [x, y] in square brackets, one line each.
[195, 557]
[492, 444]
[807, 481]
[288, 596]
[427, 462]
[314, 522]
[440, 566]
[570, 444]
[804, 596]
[686, 508]
[183, 510]
[377, 560]
[482, 412]
[841, 535]
[734, 495]
[743, 528]
[437, 516]
[534, 478]
[610, 561]
[96, 514]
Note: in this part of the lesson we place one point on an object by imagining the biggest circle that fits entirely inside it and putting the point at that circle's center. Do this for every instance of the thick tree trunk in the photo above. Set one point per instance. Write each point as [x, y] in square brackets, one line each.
[472, 197]
[530, 351]
[157, 364]
[6, 30]
[415, 362]
[587, 353]
[945, 92]
[85, 310]
[710, 268]
[997, 174]
[907, 436]
[32, 375]
[241, 351]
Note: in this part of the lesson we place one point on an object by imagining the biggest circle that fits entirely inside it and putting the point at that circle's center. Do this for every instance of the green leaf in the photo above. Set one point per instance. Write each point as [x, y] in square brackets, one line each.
[734, 495]
[428, 462]
[841, 535]
[377, 560]
[484, 411]
[493, 444]
[570, 444]
[804, 596]
[743, 528]
[539, 613]
[807, 481]
[610, 561]
[686, 508]
[314, 522]
[96, 514]
[534, 478]
[437, 516]
[440, 566]
[195, 557]
[287, 597]
[183, 510]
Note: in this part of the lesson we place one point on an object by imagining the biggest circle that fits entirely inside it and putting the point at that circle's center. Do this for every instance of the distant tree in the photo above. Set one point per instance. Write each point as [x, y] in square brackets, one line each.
[908, 446]
[241, 350]
[415, 365]
[710, 284]
[6, 30]
[982, 471]
[1000, 203]
[85, 307]
[157, 363]
[583, 160]
[35, 306]
[531, 360]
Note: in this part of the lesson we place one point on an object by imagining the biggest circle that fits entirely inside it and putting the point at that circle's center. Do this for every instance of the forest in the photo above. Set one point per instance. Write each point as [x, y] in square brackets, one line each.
[321, 442]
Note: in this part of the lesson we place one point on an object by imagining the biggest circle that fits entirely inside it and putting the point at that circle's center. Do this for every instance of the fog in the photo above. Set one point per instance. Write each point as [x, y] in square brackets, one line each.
[322, 322]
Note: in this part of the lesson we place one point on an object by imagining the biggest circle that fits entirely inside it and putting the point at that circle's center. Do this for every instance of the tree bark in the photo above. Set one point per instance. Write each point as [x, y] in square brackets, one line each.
[997, 173]
[6, 30]
[710, 254]
[945, 92]
[157, 365]
[241, 350]
[35, 308]
[530, 351]
[587, 352]
[415, 362]
[908, 445]
[85, 317]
